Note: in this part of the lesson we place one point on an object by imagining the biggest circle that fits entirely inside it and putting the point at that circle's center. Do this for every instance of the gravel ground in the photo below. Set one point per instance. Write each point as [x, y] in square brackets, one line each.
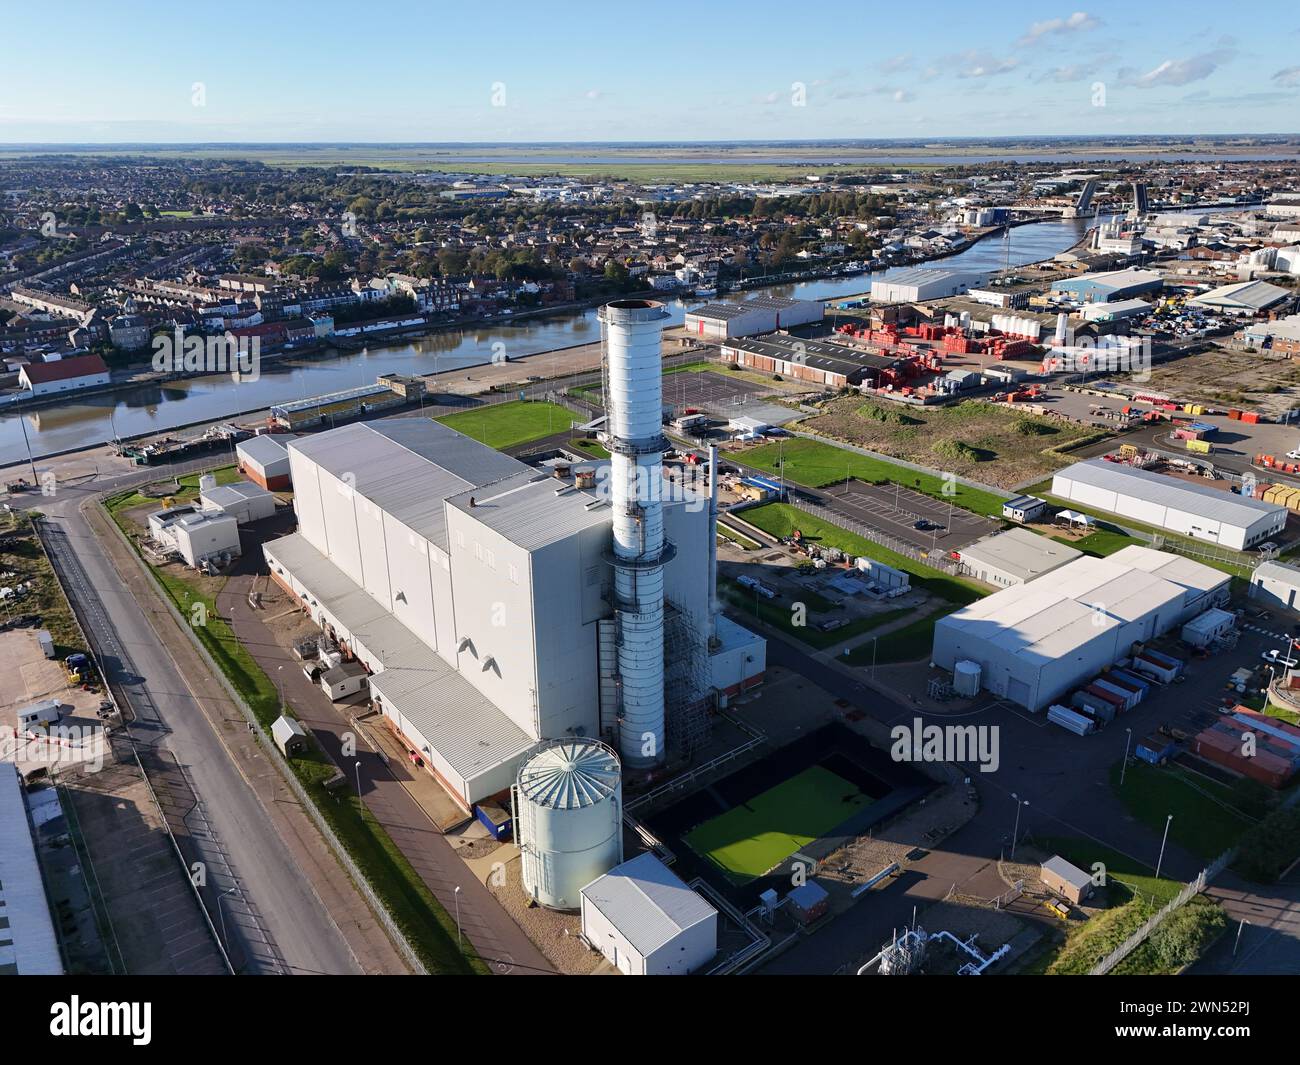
[555, 934]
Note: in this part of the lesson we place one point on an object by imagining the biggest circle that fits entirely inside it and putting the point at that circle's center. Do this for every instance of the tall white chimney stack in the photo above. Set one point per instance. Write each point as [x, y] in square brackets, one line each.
[632, 335]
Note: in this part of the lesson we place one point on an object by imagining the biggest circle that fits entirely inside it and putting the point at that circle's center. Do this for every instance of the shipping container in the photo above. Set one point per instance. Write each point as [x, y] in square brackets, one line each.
[1071, 720]
[1156, 670]
[1156, 748]
[1122, 679]
[1224, 749]
[1127, 696]
[1100, 710]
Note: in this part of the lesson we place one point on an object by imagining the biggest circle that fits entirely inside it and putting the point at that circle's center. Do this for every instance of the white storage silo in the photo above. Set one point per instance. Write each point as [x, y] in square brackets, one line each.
[966, 679]
[568, 799]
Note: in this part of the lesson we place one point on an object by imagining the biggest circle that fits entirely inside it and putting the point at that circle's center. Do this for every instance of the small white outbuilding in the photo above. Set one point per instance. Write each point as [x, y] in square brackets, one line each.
[647, 922]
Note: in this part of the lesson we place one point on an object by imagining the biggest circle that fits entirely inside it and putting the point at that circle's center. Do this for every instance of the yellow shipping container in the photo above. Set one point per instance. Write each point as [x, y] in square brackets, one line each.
[1285, 496]
[1200, 446]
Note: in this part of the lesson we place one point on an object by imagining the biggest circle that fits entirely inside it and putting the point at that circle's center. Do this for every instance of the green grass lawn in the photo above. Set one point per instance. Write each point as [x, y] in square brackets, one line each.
[781, 519]
[814, 463]
[748, 840]
[1101, 543]
[1202, 823]
[503, 425]
[1242, 569]
[590, 447]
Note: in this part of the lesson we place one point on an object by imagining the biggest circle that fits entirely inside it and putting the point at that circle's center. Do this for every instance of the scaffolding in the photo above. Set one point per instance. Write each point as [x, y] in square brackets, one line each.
[687, 682]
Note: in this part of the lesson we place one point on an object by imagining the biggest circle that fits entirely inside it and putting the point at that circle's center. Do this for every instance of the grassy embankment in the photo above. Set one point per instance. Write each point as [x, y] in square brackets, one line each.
[1131, 895]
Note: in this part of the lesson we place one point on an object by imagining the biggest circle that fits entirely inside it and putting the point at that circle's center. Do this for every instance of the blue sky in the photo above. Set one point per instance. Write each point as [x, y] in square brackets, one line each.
[506, 71]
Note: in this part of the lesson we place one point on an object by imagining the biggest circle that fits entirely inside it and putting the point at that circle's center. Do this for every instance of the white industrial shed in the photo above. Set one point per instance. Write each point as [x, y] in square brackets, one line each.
[1242, 298]
[647, 922]
[912, 285]
[243, 501]
[265, 460]
[1036, 641]
[1014, 557]
[1276, 584]
[1182, 507]
[762, 314]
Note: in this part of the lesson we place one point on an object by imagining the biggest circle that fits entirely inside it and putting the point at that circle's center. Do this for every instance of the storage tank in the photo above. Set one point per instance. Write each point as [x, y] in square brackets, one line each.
[568, 800]
[207, 482]
[966, 679]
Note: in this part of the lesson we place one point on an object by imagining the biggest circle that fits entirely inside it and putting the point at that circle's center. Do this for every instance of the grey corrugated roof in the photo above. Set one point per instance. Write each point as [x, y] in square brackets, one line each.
[1169, 492]
[263, 450]
[225, 494]
[646, 902]
[408, 466]
[527, 510]
[1278, 571]
[1020, 552]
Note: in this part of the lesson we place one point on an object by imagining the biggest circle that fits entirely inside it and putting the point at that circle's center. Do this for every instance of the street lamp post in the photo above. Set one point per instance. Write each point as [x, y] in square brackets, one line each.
[1015, 833]
[358, 768]
[1237, 942]
[1161, 859]
[457, 893]
[1124, 764]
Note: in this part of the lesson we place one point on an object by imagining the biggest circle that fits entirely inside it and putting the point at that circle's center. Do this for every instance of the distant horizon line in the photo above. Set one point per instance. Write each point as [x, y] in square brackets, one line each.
[928, 141]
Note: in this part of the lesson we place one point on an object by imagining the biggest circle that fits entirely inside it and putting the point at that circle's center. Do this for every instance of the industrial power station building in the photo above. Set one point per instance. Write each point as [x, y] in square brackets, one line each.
[488, 600]
[1182, 507]
[1035, 641]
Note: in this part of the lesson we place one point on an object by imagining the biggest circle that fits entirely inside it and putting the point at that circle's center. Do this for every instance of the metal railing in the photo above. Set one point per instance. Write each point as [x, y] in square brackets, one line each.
[1140, 936]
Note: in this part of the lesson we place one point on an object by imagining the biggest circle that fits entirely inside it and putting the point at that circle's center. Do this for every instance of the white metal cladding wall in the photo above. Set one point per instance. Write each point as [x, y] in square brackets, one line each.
[338, 506]
[568, 694]
[306, 501]
[406, 557]
[495, 614]
[444, 602]
[686, 577]
[686, 951]
[599, 930]
[374, 555]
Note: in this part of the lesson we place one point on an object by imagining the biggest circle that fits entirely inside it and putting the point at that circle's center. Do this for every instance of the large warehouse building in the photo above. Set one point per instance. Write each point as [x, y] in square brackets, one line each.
[762, 314]
[1109, 286]
[486, 600]
[914, 285]
[1182, 507]
[814, 361]
[1035, 641]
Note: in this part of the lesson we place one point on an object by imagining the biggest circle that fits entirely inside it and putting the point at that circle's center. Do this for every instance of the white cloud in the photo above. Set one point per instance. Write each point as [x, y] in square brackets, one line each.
[1288, 78]
[1180, 71]
[1079, 22]
[975, 64]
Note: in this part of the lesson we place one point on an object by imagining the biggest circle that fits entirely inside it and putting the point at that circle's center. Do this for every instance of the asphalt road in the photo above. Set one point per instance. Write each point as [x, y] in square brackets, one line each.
[273, 918]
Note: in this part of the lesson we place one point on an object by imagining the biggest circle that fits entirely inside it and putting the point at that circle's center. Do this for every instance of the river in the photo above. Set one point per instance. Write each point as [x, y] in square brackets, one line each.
[157, 408]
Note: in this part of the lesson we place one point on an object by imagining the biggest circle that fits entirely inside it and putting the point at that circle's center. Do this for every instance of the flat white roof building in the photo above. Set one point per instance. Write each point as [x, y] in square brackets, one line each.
[1183, 507]
[243, 501]
[761, 314]
[1036, 641]
[911, 285]
[647, 922]
[1014, 557]
[1276, 584]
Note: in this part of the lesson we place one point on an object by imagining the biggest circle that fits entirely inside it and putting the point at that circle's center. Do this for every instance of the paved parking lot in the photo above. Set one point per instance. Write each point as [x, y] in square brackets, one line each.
[720, 394]
[895, 510]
